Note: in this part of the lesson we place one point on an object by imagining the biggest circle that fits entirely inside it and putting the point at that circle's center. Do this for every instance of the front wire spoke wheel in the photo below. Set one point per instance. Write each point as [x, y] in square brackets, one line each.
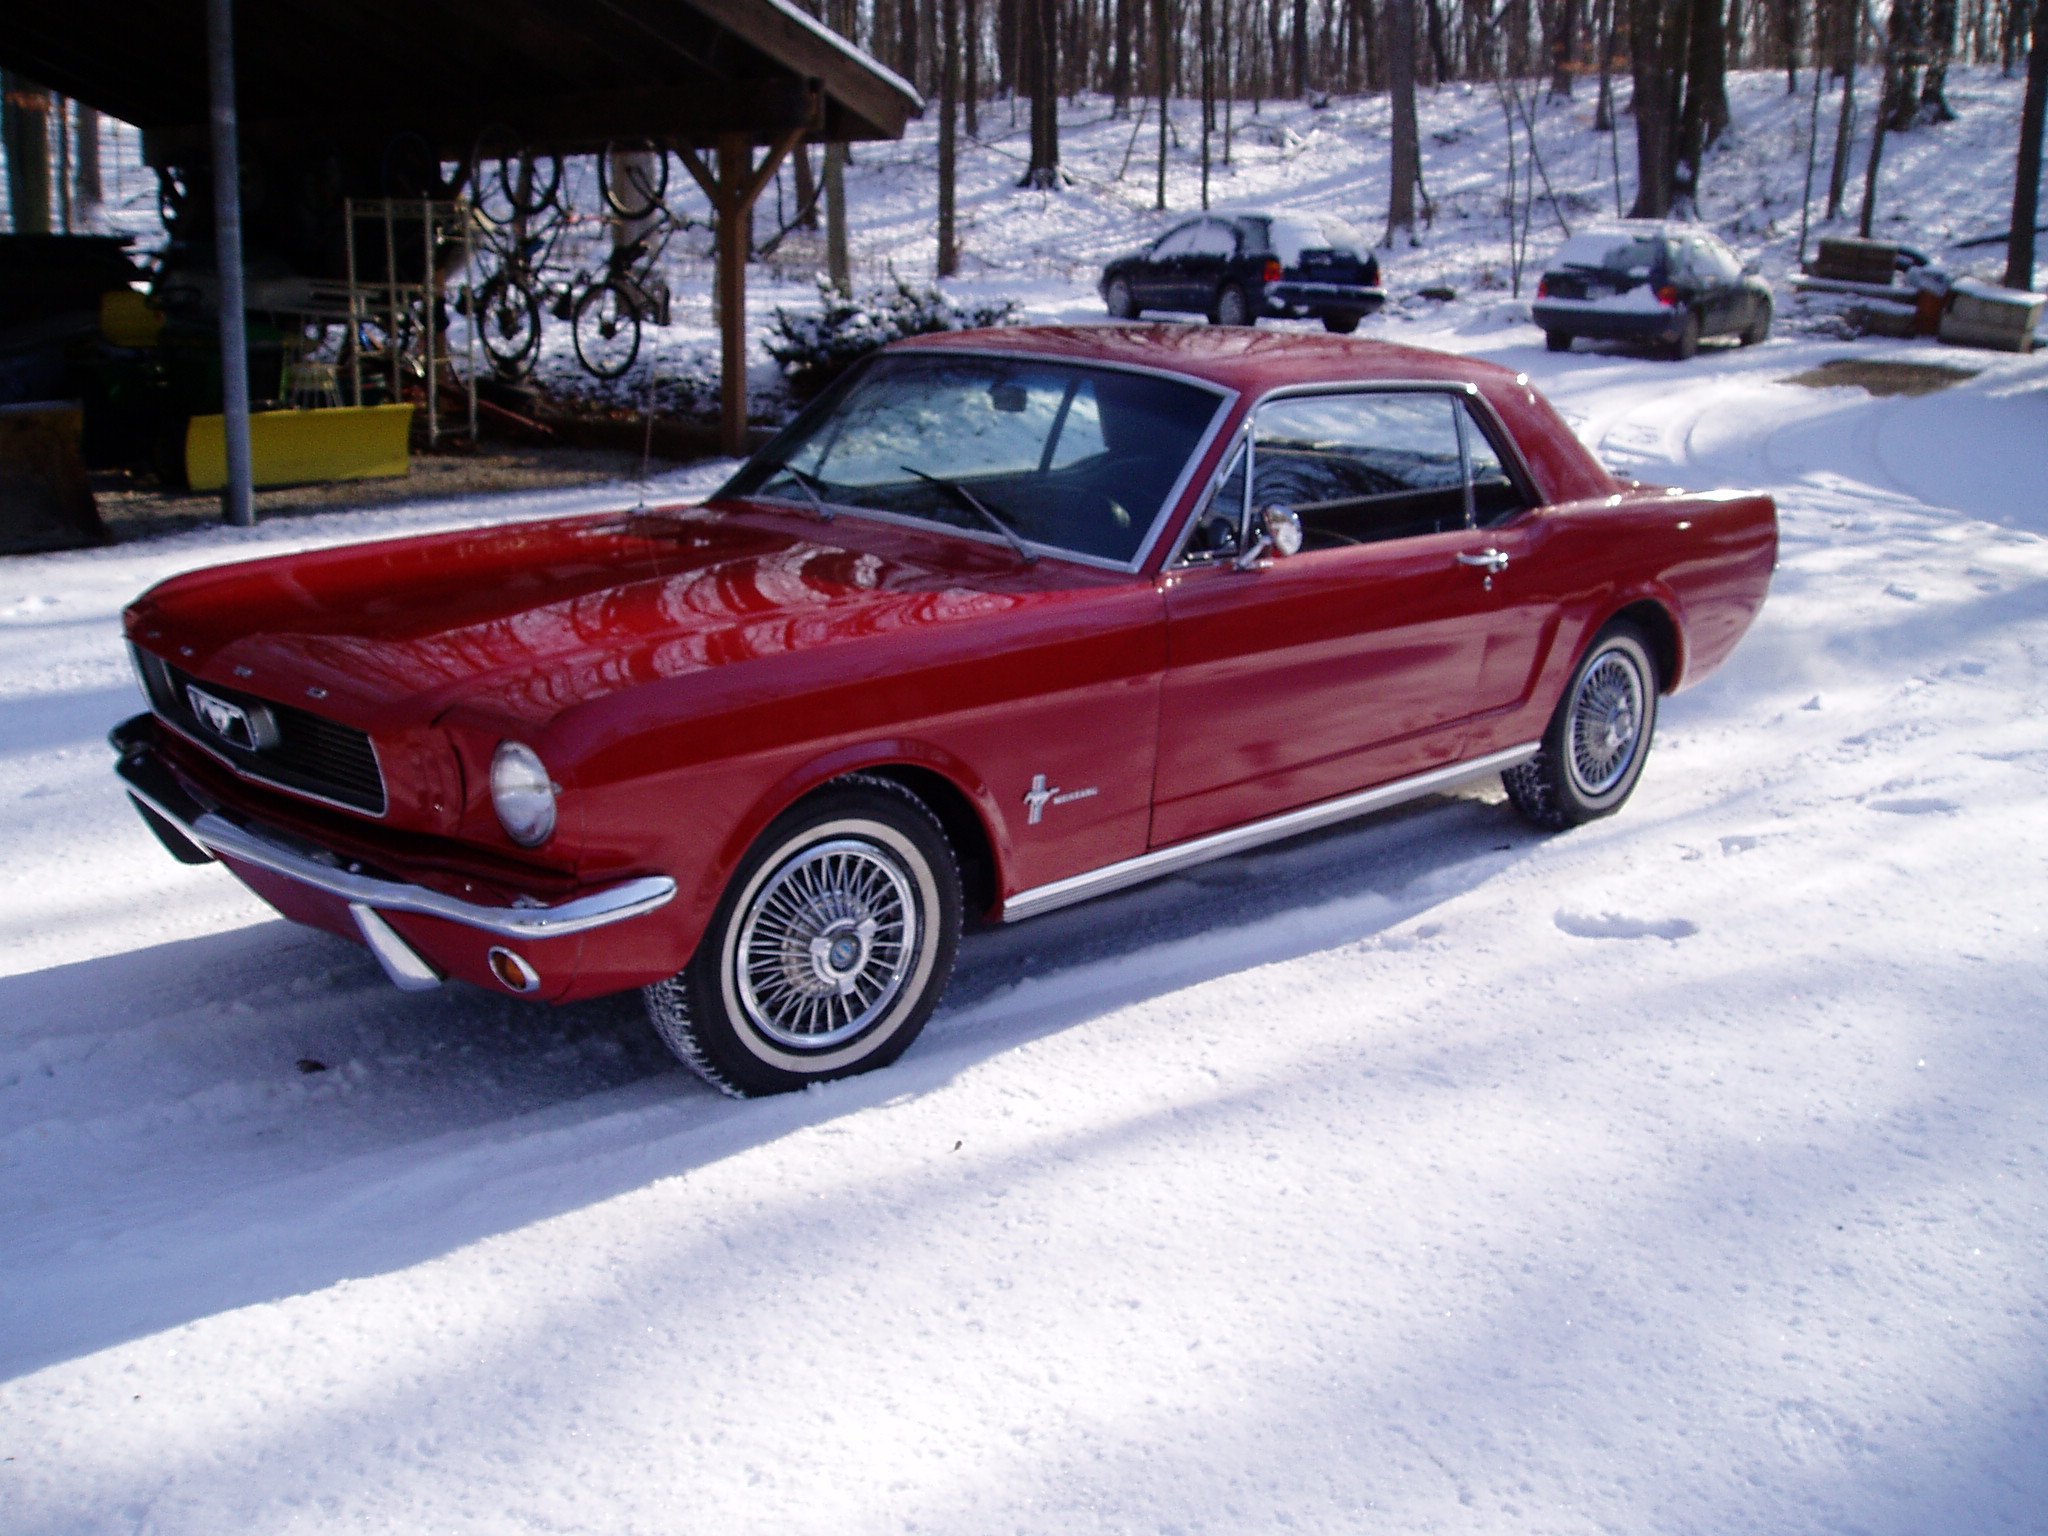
[825, 947]
[829, 949]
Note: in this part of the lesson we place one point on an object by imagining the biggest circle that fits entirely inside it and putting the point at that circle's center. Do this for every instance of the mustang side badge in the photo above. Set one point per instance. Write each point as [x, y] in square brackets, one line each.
[1040, 795]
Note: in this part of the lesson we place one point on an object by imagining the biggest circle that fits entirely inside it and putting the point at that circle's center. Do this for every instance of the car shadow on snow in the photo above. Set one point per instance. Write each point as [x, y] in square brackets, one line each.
[218, 1122]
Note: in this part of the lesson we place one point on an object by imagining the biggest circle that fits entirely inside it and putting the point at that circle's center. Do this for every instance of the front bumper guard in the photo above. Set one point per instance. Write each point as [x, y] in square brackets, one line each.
[162, 799]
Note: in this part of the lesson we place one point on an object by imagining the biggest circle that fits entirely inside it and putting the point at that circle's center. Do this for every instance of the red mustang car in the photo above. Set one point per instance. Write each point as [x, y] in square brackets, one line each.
[1006, 620]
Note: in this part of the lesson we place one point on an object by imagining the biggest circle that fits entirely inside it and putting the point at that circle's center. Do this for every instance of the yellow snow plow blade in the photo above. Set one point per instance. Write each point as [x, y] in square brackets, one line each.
[303, 447]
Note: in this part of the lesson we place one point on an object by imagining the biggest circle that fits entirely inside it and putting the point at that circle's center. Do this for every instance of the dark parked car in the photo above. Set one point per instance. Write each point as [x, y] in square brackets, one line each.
[1670, 285]
[1239, 267]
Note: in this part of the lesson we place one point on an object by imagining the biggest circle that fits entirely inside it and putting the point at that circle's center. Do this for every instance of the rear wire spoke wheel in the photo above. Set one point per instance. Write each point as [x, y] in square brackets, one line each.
[607, 331]
[635, 188]
[1593, 752]
[829, 949]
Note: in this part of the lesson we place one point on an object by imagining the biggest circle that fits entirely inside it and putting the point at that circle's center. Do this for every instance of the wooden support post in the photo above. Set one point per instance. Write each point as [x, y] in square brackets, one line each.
[732, 185]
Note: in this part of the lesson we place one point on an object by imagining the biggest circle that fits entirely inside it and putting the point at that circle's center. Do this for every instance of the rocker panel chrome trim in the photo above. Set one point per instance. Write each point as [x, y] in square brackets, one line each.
[1217, 845]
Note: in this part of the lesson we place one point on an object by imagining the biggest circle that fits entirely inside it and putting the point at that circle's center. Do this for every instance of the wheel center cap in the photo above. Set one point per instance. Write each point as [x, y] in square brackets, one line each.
[839, 954]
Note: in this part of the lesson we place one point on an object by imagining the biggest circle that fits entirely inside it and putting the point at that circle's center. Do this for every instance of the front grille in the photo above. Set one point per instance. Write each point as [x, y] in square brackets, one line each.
[311, 755]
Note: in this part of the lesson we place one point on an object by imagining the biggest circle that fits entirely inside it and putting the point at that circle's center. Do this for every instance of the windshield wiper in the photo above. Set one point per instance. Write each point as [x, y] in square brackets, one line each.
[809, 485]
[974, 503]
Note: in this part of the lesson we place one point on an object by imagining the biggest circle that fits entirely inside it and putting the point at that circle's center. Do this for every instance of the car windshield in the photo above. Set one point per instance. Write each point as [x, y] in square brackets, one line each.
[1293, 233]
[1077, 459]
[1624, 255]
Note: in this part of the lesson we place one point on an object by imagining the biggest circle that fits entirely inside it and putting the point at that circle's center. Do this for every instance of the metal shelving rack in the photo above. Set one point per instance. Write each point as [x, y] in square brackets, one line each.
[408, 312]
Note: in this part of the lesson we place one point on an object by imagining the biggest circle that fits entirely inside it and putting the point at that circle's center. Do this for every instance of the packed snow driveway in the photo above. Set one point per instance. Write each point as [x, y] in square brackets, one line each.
[1682, 1173]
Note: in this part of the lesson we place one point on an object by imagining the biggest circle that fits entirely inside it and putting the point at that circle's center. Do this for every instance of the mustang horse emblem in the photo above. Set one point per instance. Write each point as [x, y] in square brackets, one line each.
[250, 729]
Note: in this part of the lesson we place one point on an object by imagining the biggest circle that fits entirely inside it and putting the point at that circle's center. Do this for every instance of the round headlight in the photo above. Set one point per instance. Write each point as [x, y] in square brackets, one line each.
[522, 794]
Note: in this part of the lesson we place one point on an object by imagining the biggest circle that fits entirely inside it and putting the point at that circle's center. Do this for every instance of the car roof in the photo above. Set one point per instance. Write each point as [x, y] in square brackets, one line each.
[1239, 358]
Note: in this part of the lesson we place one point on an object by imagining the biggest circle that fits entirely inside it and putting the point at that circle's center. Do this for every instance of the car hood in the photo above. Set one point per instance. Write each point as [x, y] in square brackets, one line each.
[529, 619]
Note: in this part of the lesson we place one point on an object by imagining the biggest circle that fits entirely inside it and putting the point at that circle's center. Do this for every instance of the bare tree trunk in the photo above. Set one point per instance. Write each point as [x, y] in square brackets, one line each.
[2026, 181]
[838, 267]
[972, 45]
[1439, 53]
[1120, 74]
[1941, 46]
[1229, 77]
[1787, 18]
[1904, 33]
[1845, 123]
[1300, 41]
[1705, 114]
[1656, 61]
[1162, 71]
[1407, 151]
[1562, 18]
[806, 187]
[1603, 106]
[1041, 60]
[949, 111]
[1208, 93]
[1887, 114]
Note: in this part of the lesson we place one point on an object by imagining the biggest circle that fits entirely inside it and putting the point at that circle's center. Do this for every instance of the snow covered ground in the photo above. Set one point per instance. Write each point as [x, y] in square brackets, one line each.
[1683, 1173]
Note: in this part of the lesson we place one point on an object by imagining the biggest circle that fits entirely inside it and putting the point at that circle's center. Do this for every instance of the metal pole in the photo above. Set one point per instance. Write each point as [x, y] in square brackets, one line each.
[238, 497]
[427, 323]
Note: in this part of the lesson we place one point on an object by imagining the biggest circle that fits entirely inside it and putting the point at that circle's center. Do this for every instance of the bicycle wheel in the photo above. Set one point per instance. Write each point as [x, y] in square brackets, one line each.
[508, 324]
[633, 176]
[520, 183]
[607, 331]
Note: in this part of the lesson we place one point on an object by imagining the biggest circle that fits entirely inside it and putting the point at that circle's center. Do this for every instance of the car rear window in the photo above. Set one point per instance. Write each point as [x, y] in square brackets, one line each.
[1627, 255]
[1289, 234]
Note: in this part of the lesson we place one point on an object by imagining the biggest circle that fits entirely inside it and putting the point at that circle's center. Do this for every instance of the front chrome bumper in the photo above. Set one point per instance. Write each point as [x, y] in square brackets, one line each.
[211, 830]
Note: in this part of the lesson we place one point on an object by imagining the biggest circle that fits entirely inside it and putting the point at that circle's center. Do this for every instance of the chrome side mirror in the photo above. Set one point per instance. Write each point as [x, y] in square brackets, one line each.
[1277, 531]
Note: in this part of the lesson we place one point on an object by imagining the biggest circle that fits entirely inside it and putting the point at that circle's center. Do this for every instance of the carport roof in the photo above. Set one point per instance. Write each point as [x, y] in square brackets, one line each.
[564, 74]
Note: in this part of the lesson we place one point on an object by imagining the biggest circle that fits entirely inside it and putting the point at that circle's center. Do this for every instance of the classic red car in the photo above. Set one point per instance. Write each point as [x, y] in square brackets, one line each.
[1006, 620]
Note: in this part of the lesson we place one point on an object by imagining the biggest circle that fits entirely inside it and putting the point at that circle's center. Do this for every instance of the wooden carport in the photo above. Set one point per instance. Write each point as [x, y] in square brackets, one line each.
[329, 84]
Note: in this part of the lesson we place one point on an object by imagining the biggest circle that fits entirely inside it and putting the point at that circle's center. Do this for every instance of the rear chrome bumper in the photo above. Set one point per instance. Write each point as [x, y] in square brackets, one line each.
[213, 830]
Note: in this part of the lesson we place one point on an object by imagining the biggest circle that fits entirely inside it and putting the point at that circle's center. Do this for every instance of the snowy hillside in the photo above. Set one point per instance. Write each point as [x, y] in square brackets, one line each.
[1684, 1173]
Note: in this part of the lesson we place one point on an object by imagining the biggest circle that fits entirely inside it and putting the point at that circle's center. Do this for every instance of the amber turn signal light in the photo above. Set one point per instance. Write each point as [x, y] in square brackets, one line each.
[514, 972]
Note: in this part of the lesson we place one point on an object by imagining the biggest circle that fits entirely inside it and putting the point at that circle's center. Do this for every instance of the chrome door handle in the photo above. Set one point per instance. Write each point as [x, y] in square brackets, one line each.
[1487, 559]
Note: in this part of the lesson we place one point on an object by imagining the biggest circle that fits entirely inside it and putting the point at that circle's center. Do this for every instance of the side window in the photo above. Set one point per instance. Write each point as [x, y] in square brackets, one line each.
[1214, 238]
[1495, 496]
[1177, 242]
[1722, 261]
[1219, 527]
[1362, 468]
